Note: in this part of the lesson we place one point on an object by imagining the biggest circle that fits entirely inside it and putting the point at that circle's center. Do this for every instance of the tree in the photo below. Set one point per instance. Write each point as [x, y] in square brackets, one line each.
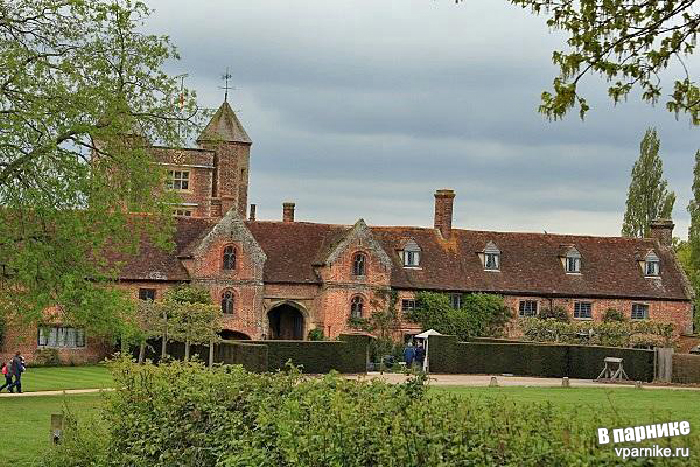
[630, 43]
[189, 316]
[82, 91]
[648, 197]
[694, 211]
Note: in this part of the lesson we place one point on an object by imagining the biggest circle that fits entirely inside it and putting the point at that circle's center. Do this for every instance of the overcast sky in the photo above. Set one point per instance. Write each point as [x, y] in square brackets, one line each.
[363, 108]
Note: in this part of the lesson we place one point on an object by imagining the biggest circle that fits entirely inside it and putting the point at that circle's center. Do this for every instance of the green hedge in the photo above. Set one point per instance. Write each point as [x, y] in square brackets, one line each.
[447, 355]
[183, 414]
[348, 355]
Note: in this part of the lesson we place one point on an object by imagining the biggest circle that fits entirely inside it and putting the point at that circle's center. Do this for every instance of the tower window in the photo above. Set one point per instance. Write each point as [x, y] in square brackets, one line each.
[358, 265]
[227, 303]
[229, 258]
[178, 180]
[356, 306]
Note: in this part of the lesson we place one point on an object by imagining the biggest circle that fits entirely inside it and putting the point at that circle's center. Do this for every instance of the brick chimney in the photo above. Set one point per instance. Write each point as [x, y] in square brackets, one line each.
[252, 212]
[444, 199]
[287, 212]
[662, 230]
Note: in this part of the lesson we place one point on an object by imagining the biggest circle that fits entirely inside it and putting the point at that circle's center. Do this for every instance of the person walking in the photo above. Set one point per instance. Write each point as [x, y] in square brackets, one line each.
[18, 369]
[409, 353]
[420, 355]
[7, 373]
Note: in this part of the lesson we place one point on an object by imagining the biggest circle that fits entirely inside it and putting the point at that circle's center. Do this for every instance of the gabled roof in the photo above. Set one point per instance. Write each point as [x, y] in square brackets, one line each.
[225, 126]
[530, 262]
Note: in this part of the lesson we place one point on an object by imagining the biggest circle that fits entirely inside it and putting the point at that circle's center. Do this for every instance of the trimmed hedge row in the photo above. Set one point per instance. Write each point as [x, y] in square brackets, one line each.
[447, 355]
[349, 355]
[686, 369]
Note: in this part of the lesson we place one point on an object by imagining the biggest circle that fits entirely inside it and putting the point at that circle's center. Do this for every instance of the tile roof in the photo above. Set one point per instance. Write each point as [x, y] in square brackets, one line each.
[225, 126]
[529, 264]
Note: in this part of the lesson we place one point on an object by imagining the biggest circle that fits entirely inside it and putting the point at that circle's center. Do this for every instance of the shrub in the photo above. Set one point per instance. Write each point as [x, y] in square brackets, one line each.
[180, 414]
[479, 315]
[613, 315]
[611, 334]
[316, 334]
[557, 313]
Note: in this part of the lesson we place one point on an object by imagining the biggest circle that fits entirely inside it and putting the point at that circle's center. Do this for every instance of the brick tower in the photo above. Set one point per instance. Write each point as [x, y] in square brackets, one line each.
[226, 137]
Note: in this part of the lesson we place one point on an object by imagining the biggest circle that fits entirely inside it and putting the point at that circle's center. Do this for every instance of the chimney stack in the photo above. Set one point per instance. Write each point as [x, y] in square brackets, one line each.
[287, 212]
[662, 230]
[444, 199]
[252, 213]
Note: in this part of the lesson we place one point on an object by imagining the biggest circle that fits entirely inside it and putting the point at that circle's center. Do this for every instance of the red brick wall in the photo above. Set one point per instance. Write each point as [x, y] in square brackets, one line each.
[200, 178]
[232, 160]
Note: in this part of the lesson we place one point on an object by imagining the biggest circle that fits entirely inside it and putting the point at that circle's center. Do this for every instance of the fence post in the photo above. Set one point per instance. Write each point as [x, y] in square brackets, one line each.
[56, 432]
[211, 353]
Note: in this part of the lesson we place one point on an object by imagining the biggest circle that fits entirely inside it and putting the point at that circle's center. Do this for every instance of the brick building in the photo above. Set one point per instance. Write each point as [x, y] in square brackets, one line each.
[280, 279]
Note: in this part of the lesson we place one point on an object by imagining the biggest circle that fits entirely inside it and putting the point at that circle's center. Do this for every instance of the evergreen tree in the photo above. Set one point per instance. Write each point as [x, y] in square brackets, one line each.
[694, 211]
[648, 197]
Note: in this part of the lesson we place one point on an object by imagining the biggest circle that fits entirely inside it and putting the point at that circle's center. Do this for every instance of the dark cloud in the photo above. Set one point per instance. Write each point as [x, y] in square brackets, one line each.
[363, 108]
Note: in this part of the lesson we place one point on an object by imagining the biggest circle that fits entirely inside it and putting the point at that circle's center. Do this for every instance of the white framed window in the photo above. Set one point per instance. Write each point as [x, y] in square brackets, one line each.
[182, 213]
[492, 257]
[582, 310]
[573, 261]
[528, 308]
[60, 336]
[411, 255]
[408, 305]
[178, 180]
[640, 311]
[651, 264]
[456, 301]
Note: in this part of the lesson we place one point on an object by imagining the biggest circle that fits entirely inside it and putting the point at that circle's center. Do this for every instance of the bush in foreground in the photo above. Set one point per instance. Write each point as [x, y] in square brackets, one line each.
[183, 414]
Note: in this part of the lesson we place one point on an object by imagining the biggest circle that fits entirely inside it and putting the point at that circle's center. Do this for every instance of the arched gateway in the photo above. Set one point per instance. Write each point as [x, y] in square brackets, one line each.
[231, 335]
[285, 322]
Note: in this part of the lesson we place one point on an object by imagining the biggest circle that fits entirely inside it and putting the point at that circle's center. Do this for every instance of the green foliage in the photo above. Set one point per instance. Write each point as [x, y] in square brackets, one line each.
[480, 314]
[181, 414]
[611, 334]
[630, 44]
[185, 293]
[316, 334]
[613, 315]
[557, 313]
[82, 93]
[648, 197]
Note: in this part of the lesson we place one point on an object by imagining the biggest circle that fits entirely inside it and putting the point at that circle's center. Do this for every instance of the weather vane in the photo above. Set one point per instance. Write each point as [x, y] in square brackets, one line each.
[226, 76]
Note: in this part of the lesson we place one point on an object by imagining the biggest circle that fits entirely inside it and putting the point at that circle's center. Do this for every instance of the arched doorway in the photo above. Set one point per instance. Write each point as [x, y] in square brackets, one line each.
[231, 335]
[285, 323]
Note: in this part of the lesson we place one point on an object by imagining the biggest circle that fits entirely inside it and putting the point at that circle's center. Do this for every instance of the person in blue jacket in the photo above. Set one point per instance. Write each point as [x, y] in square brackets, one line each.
[409, 354]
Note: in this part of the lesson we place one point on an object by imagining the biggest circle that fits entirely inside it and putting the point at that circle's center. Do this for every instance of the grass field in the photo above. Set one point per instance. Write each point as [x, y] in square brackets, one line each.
[642, 406]
[79, 377]
[26, 422]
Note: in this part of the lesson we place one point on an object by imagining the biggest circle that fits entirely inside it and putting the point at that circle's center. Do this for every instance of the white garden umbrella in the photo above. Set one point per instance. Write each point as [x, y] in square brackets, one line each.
[424, 336]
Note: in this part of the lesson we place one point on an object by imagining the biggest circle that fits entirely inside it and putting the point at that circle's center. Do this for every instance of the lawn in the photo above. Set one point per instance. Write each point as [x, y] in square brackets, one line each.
[26, 422]
[79, 377]
[643, 406]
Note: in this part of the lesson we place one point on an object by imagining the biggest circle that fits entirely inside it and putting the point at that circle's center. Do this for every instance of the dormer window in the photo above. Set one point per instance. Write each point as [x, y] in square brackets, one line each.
[651, 264]
[411, 255]
[229, 263]
[573, 261]
[492, 257]
[358, 265]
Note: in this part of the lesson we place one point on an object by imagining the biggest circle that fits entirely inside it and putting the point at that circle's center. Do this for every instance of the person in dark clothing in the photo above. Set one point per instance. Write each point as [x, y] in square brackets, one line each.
[420, 355]
[7, 373]
[409, 354]
[18, 369]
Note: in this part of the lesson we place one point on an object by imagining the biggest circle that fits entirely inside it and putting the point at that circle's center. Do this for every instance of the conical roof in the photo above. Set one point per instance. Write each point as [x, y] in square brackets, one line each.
[225, 126]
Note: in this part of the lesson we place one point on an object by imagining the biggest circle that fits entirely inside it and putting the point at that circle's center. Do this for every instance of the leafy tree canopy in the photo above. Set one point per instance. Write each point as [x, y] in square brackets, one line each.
[648, 197]
[629, 43]
[81, 92]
